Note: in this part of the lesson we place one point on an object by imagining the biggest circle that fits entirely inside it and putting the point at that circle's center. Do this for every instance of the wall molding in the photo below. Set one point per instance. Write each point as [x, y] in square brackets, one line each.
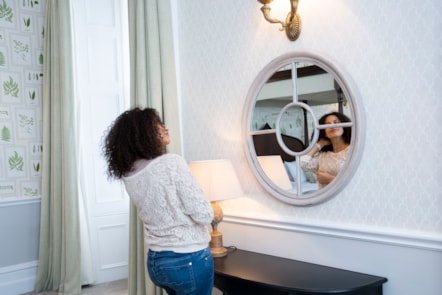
[419, 240]
[18, 201]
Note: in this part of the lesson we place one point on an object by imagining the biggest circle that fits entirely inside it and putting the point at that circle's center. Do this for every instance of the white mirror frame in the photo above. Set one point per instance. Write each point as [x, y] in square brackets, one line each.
[358, 129]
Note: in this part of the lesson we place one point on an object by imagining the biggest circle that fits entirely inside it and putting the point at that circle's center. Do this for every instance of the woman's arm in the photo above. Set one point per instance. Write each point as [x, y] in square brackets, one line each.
[192, 196]
[324, 177]
[322, 142]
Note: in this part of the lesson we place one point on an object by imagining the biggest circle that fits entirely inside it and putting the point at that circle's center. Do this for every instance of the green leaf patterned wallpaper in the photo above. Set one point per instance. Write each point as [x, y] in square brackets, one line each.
[21, 72]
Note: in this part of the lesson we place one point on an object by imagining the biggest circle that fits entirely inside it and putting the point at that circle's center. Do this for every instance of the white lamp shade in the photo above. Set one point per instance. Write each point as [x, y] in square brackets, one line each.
[217, 178]
[275, 170]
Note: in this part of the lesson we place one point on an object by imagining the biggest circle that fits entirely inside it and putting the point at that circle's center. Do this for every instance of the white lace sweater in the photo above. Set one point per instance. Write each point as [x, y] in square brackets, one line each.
[327, 161]
[171, 204]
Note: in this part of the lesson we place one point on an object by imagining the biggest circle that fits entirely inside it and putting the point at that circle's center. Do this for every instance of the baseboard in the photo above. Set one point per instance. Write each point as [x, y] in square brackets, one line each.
[18, 279]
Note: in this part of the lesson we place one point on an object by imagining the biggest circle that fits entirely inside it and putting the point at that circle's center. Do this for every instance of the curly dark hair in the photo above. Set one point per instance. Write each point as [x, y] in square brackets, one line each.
[132, 136]
[347, 130]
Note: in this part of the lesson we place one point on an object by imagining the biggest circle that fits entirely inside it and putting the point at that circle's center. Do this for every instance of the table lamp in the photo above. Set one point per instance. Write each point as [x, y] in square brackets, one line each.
[273, 167]
[219, 182]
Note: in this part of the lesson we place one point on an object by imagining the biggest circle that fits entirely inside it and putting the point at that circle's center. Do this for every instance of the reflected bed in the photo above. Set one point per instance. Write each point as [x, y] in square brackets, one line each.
[267, 145]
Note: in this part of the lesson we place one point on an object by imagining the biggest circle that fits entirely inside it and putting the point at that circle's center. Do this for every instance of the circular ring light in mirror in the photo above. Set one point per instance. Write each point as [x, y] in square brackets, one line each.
[268, 133]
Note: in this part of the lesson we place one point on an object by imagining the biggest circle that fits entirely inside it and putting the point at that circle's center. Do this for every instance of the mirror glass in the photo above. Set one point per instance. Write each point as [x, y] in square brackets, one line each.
[281, 126]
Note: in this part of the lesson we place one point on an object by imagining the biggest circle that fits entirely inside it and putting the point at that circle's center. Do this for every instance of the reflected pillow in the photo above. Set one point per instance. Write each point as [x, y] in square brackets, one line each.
[291, 171]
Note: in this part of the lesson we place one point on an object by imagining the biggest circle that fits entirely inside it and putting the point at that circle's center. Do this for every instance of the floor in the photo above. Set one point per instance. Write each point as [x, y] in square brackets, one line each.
[109, 288]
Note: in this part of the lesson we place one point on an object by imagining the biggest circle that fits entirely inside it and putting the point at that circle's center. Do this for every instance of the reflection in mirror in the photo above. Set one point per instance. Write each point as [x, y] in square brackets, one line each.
[283, 128]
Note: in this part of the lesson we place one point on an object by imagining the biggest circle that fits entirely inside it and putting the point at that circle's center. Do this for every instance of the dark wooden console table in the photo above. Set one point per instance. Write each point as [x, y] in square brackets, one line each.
[248, 273]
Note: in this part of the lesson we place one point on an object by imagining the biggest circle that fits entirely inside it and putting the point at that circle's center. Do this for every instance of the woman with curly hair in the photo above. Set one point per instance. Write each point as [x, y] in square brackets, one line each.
[169, 200]
[328, 156]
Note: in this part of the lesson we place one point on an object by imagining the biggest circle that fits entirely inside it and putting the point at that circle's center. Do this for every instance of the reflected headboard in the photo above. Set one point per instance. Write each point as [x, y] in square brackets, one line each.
[267, 144]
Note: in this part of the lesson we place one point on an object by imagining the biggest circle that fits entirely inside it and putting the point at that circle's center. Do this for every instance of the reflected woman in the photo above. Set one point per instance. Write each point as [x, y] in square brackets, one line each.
[330, 153]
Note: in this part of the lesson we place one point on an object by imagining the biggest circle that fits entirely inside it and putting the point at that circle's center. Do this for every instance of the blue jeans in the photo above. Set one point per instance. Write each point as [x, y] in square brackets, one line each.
[182, 273]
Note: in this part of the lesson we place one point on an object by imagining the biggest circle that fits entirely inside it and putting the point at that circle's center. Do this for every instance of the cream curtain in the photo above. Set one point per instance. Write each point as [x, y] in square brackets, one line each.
[153, 84]
[59, 252]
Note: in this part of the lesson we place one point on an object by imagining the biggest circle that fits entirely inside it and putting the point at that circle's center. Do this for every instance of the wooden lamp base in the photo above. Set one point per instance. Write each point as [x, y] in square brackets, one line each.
[216, 244]
[216, 237]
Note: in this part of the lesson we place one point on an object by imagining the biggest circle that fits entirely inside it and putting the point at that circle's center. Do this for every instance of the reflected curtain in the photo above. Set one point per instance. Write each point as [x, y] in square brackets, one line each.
[153, 84]
[59, 264]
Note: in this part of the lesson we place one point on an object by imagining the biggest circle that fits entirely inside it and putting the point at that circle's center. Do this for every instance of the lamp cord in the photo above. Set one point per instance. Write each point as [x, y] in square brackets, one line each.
[230, 249]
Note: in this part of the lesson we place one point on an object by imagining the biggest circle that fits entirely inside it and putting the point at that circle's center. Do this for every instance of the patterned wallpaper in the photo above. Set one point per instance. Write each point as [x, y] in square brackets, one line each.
[391, 49]
[21, 70]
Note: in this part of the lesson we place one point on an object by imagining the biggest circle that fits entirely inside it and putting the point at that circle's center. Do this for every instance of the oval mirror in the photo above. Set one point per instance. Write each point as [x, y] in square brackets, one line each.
[281, 125]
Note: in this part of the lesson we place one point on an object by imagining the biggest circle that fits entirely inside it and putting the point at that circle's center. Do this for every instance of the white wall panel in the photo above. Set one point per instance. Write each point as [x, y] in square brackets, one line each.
[112, 237]
[102, 73]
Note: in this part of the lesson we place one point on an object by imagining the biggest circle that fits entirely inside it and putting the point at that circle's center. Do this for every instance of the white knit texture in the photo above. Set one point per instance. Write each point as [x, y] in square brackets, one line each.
[171, 205]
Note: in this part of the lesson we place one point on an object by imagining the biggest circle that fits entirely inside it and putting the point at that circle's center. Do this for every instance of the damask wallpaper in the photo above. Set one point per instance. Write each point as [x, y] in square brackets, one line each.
[21, 72]
[391, 49]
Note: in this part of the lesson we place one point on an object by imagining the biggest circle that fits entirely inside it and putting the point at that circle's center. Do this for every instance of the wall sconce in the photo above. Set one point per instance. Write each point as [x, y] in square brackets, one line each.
[292, 24]
[219, 182]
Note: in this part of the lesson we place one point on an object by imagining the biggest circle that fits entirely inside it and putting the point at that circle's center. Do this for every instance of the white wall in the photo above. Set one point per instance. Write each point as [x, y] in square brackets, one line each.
[19, 231]
[393, 204]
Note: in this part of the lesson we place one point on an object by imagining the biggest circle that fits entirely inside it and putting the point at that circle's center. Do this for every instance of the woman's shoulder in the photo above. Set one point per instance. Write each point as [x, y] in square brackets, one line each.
[169, 157]
[169, 160]
[163, 162]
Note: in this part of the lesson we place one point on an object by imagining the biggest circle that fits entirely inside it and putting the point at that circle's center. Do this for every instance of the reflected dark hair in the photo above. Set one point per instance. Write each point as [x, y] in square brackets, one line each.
[347, 130]
[132, 136]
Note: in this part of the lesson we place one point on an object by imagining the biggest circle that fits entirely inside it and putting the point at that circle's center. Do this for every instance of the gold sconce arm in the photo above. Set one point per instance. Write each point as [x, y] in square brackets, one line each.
[266, 12]
[292, 24]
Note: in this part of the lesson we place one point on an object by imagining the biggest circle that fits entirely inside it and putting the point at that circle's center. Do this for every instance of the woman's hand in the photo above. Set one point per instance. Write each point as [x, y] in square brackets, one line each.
[323, 142]
[324, 177]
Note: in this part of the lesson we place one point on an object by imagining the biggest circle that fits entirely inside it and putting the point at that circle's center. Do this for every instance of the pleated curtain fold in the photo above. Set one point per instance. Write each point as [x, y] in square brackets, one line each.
[59, 266]
[153, 84]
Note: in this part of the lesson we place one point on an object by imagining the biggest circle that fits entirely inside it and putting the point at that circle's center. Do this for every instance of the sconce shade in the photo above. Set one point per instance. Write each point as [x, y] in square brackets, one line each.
[219, 182]
[217, 179]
